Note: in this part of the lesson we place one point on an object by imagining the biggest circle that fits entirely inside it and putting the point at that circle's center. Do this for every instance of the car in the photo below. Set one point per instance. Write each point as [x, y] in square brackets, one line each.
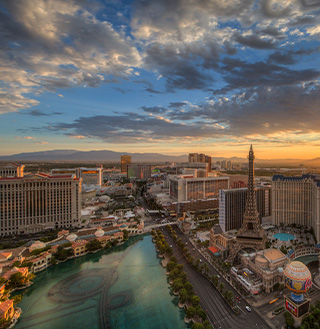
[248, 308]
[194, 249]
[200, 260]
[238, 297]
[186, 243]
[170, 245]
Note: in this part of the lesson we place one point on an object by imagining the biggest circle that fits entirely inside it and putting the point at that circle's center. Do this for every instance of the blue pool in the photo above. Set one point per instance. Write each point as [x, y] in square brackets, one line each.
[284, 236]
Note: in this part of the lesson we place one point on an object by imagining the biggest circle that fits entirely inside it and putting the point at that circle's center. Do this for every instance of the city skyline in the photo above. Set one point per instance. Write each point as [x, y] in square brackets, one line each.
[158, 76]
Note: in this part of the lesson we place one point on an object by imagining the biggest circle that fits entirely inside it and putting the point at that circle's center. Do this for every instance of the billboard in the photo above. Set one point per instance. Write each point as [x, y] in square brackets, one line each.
[291, 308]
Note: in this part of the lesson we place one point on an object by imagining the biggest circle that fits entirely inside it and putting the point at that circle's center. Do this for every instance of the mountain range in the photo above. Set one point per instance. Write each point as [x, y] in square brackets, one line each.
[112, 156]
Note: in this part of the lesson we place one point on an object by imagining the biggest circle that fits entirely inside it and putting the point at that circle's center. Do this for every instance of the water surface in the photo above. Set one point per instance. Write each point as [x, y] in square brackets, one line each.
[125, 288]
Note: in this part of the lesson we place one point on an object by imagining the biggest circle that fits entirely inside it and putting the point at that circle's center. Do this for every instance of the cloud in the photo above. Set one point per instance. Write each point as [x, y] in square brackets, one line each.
[25, 137]
[42, 143]
[71, 48]
[240, 74]
[39, 113]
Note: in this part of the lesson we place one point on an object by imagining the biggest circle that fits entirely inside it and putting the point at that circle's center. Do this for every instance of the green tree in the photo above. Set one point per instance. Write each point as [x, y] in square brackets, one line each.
[93, 245]
[17, 299]
[189, 287]
[183, 295]
[220, 286]
[215, 280]
[170, 266]
[17, 279]
[228, 295]
[177, 284]
[289, 319]
[195, 300]
[53, 261]
[201, 313]
[197, 325]
[190, 312]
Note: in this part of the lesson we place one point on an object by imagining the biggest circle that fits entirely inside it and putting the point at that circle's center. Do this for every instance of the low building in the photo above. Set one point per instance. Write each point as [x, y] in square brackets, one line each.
[37, 245]
[5, 256]
[220, 241]
[23, 270]
[79, 247]
[2, 289]
[267, 265]
[6, 310]
[11, 170]
[41, 263]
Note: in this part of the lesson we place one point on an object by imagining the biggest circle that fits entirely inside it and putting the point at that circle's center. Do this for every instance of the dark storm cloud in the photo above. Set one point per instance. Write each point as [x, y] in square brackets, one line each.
[177, 104]
[131, 127]
[240, 74]
[282, 58]
[154, 109]
[39, 113]
[269, 9]
[290, 57]
[179, 70]
[254, 41]
[259, 111]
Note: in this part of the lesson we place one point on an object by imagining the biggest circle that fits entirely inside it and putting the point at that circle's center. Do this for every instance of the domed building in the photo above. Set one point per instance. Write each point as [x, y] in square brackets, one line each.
[267, 266]
[72, 237]
[297, 279]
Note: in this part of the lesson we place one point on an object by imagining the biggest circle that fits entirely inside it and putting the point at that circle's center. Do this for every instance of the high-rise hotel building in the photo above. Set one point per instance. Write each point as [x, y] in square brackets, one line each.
[232, 204]
[125, 161]
[186, 189]
[38, 202]
[296, 200]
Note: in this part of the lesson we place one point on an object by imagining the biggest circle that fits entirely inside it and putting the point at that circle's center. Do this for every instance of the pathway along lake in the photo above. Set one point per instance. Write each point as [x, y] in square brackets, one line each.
[125, 287]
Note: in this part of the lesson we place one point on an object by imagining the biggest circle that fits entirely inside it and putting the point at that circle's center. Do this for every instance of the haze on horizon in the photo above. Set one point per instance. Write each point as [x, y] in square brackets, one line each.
[159, 76]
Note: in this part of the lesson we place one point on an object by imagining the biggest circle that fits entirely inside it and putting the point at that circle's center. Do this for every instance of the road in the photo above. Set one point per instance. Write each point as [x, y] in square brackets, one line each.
[218, 310]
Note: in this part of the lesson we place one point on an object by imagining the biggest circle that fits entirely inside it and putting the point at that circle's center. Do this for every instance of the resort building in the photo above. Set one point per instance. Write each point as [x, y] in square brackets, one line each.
[5, 256]
[79, 247]
[38, 202]
[125, 161]
[11, 170]
[267, 265]
[232, 203]
[2, 289]
[139, 171]
[23, 270]
[41, 263]
[6, 310]
[220, 242]
[296, 200]
[89, 176]
[186, 189]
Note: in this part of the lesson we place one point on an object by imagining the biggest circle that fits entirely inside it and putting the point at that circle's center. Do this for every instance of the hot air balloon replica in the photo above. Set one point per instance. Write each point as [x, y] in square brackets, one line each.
[297, 278]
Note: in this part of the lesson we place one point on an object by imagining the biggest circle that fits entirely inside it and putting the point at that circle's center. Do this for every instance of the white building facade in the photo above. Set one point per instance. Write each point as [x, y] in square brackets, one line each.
[38, 202]
[296, 200]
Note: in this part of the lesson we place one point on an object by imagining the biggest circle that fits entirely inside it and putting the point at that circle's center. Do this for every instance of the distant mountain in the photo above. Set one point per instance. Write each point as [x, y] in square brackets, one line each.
[94, 156]
[111, 156]
[313, 162]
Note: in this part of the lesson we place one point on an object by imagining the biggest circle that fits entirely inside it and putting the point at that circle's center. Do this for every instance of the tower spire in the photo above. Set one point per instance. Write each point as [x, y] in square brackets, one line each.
[251, 234]
[251, 204]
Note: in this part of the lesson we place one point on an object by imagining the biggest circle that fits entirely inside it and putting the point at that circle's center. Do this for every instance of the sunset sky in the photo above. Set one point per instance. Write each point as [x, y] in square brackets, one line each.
[166, 76]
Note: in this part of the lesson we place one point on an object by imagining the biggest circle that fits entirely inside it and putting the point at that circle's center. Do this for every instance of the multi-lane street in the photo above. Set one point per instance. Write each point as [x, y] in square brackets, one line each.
[218, 311]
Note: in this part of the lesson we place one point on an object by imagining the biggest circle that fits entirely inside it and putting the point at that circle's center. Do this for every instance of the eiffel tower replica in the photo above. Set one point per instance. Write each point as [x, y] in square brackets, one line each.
[251, 234]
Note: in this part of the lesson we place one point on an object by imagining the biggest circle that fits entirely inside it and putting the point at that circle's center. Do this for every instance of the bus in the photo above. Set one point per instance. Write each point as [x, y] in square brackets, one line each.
[273, 300]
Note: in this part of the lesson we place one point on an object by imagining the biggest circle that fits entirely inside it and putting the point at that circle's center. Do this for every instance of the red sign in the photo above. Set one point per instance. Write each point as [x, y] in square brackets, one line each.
[291, 308]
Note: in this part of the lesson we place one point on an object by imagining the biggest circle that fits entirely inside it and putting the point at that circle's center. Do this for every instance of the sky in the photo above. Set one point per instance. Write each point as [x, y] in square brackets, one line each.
[172, 77]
